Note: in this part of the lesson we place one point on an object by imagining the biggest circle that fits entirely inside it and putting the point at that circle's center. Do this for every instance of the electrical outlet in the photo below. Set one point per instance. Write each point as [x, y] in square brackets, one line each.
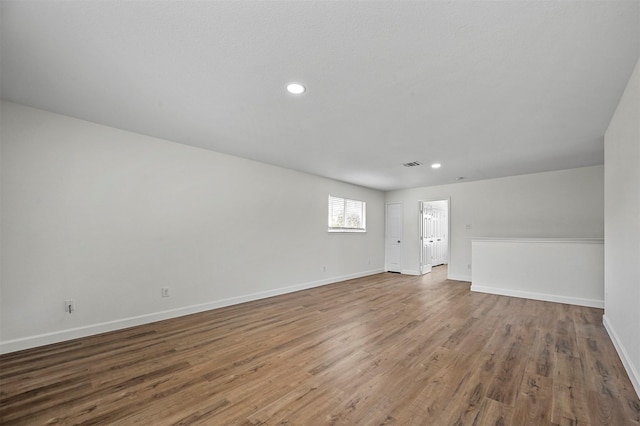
[69, 306]
[324, 269]
[468, 266]
[165, 291]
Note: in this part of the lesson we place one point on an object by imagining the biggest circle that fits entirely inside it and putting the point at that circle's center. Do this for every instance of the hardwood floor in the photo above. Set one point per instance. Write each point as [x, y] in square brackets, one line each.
[386, 349]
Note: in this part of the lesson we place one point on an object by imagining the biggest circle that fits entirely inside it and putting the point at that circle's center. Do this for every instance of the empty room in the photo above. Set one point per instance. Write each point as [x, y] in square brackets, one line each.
[319, 212]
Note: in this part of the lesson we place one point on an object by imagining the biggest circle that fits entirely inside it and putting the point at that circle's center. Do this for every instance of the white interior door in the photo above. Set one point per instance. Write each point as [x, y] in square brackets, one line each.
[425, 241]
[439, 236]
[393, 237]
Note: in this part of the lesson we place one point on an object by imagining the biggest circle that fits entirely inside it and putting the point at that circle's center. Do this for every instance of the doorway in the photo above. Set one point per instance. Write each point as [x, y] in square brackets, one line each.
[434, 234]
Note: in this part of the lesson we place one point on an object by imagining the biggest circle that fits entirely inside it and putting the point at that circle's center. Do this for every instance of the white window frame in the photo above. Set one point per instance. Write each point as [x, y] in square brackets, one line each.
[363, 209]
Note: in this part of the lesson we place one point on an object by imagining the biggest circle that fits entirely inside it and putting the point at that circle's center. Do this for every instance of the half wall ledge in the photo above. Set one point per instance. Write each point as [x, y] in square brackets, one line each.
[562, 270]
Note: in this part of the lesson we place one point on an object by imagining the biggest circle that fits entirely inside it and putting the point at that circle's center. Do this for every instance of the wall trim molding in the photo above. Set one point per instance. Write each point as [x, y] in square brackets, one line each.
[93, 329]
[592, 303]
[410, 272]
[459, 277]
[633, 374]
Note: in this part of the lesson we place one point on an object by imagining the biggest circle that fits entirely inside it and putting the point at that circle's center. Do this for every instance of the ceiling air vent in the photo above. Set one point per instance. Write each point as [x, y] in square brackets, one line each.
[412, 164]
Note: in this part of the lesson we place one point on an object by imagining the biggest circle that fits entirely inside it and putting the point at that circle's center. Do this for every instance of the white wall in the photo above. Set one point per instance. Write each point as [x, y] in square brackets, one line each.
[108, 217]
[566, 203]
[622, 228]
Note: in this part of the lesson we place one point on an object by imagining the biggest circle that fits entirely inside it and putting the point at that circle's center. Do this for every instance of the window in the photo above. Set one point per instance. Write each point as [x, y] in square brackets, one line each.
[347, 215]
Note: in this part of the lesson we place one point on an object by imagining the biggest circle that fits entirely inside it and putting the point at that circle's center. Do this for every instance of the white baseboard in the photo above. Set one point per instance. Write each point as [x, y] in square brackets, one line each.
[410, 272]
[592, 303]
[90, 330]
[459, 277]
[633, 374]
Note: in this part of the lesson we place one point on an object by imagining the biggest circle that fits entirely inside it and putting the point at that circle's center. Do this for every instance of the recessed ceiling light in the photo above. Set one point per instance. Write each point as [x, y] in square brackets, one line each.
[295, 88]
[436, 165]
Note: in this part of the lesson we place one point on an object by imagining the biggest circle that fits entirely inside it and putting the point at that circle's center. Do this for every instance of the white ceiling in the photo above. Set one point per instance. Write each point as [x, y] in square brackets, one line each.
[486, 88]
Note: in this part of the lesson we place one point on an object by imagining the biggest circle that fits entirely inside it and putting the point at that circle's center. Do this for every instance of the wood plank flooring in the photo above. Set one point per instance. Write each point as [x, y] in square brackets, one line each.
[382, 350]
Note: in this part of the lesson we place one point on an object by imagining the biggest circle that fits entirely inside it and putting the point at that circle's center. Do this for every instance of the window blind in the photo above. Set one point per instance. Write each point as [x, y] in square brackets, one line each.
[346, 215]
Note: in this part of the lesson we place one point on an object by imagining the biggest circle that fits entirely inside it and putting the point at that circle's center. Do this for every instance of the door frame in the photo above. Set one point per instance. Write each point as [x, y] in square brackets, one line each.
[420, 224]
